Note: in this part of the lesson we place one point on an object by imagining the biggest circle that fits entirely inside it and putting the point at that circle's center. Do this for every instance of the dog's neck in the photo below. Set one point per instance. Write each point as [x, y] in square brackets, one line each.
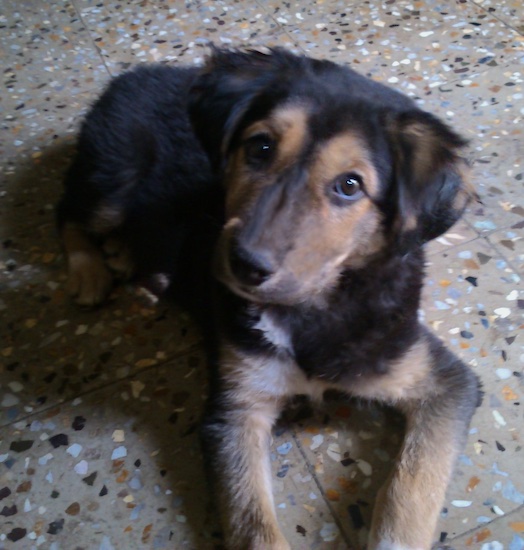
[370, 315]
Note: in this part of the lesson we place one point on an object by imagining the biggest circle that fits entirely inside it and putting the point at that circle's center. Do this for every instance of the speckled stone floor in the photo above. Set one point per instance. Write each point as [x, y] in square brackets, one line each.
[99, 409]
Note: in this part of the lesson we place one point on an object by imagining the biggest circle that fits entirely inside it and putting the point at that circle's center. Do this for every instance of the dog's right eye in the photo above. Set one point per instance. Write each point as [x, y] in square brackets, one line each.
[259, 150]
[348, 187]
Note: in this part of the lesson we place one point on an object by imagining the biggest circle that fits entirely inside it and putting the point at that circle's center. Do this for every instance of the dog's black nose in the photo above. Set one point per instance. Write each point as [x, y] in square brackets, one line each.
[248, 267]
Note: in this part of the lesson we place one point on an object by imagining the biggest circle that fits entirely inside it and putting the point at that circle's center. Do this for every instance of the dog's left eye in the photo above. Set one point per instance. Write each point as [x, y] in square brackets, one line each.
[259, 149]
[348, 187]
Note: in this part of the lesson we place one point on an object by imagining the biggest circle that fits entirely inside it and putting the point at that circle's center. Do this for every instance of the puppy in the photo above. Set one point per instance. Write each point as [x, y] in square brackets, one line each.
[286, 201]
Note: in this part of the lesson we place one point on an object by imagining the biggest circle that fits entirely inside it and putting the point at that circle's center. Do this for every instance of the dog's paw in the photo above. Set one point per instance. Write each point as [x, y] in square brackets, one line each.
[118, 259]
[279, 544]
[89, 279]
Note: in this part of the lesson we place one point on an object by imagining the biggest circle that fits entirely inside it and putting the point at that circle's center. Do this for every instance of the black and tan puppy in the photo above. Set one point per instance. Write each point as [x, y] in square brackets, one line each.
[308, 192]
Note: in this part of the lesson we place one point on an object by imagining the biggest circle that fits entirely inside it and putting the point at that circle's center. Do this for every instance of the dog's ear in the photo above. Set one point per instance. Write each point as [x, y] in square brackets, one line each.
[431, 185]
[224, 91]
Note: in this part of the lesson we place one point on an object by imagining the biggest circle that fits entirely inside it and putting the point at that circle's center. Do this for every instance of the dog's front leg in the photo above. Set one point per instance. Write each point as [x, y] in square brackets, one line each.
[236, 436]
[408, 506]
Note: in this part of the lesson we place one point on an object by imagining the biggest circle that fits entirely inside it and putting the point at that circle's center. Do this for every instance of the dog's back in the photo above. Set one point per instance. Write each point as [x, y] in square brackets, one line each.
[138, 182]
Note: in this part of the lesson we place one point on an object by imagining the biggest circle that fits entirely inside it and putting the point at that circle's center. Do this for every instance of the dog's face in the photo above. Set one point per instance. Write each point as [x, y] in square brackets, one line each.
[324, 172]
[298, 210]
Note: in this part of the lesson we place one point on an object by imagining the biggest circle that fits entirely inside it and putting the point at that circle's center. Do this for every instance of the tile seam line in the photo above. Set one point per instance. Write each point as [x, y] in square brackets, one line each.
[344, 536]
[449, 248]
[280, 27]
[488, 233]
[191, 349]
[513, 512]
[93, 43]
[493, 521]
[505, 23]
[503, 256]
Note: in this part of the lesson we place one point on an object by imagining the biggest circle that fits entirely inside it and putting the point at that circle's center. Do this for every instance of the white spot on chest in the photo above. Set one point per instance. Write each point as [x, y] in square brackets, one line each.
[273, 332]
[279, 375]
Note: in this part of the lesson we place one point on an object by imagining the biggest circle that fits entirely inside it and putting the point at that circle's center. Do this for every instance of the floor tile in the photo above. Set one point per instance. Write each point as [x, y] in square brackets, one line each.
[506, 532]
[52, 351]
[46, 50]
[130, 32]
[435, 41]
[99, 409]
[511, 245]
[119, 467]
[473, 281]
[351, 447]
[487, 109]
[38, 140]
[509, 11]
[461, 233]
[473, 300]
[41, 354]
[122, 467]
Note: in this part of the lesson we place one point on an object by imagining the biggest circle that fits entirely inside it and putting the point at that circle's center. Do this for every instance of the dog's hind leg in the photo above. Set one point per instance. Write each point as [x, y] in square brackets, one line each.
[118, 258]
[438, 395]
[89, 279]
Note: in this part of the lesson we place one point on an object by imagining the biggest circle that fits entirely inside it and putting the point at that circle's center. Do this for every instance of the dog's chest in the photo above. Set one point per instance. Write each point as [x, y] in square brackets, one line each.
[274, 332]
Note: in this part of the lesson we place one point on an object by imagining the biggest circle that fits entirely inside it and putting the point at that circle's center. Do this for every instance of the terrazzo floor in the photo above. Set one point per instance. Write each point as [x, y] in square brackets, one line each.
[99, 409]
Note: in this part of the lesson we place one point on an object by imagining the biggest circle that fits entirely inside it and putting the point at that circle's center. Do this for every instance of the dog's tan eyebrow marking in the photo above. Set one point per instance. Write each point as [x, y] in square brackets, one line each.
[343, 153]
[292, 123]
[289, 126]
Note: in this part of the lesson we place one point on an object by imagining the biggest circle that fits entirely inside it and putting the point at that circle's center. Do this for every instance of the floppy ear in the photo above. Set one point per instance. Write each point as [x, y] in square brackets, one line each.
[431, 179]
[224, 91]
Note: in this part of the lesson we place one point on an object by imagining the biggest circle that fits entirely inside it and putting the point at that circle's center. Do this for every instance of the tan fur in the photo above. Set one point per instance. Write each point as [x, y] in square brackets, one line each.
[287, 125]
[416, 488]
[310, 239]
[106, 218]
[344, 153]
[254, 490]
[290, 234]
[426, 147]
[408, 378]
[89, 279]
[251, 523]
[118, 258]
[268, 378]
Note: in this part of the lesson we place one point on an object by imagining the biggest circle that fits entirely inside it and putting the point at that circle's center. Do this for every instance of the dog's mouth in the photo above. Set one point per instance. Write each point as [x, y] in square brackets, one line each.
[241, 272]
[268, 276]
[223, 272]
[252, 283]
[280, 288]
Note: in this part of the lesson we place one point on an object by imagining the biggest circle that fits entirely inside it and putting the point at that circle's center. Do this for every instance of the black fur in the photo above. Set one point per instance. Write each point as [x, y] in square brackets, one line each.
[370, 321]
[137, 152]
[154, 148]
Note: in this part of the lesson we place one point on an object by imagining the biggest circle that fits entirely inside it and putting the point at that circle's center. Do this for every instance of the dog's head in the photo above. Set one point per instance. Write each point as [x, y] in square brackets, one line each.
[324, 170]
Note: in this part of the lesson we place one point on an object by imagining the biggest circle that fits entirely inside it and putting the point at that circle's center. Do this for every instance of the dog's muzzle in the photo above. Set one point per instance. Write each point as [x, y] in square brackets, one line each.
[248, 267]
